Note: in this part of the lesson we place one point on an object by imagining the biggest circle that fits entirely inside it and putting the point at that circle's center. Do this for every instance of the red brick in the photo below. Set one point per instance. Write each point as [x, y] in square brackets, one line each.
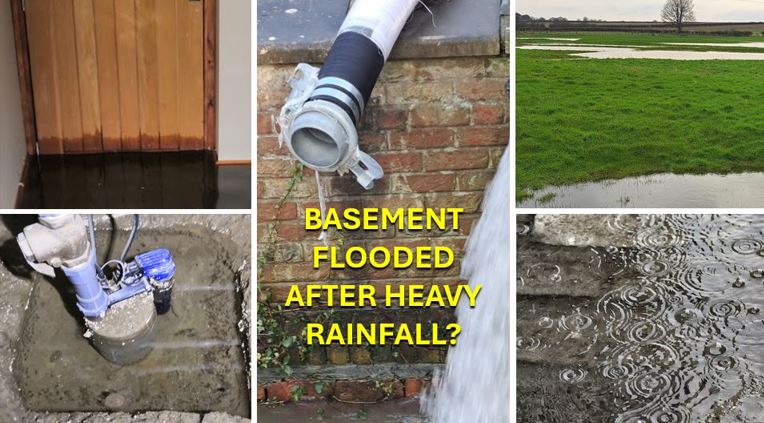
[490, 135]
[425, 182]
[260, 393]
[266, 211]
[292, 231]
[474, 180]
[276, 167]
[339, 205]
[264, 123]
[294, 272]
[400, 162]
[276, 188]
[268, 145]
[455, 160]
[413, 387]
[391, 118]
[394, 202]
[282, 391]
[487, 114]
[482, 90]
[425, 115]
[422, 139]
[372, 141]
[415, 92]
[469, 201]
[279, 391]
[440, 115]
[466, 223]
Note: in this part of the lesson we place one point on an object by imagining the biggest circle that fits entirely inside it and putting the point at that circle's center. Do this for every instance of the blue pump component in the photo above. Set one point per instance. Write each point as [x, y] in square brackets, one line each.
[149, 272]
[91, 298]
[157, 264]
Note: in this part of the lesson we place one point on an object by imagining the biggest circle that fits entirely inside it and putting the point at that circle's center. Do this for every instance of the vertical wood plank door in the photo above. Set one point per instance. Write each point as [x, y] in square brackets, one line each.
[117, 75]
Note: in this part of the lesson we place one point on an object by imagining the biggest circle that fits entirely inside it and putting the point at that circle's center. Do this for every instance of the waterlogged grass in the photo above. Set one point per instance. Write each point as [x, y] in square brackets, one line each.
[583, 119]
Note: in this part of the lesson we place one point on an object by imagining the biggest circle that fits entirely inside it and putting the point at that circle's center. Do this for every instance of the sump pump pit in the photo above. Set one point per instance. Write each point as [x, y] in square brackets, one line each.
[196, 362]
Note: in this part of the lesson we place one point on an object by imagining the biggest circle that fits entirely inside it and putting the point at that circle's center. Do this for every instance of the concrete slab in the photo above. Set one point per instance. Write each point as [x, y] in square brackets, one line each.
[292, 31]
[554, 270]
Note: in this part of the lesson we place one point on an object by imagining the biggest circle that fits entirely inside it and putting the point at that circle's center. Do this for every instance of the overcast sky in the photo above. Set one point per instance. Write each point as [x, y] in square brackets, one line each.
[642, 10]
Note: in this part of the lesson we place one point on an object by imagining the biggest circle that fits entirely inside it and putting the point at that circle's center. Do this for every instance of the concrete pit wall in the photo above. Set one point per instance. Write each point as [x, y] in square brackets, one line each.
[17, 281]
[437, 122]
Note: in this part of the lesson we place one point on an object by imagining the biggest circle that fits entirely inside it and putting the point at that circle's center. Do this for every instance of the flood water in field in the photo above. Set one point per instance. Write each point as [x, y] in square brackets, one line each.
[649, 318]
[475, 384]
[606, 52]
[658, 190]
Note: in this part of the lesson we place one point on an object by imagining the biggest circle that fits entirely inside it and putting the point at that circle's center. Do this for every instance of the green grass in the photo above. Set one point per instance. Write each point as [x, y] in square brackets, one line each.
[584, 119]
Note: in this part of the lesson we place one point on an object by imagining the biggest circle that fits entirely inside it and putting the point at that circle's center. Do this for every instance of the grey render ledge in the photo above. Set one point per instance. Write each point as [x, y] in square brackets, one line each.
[295, 31]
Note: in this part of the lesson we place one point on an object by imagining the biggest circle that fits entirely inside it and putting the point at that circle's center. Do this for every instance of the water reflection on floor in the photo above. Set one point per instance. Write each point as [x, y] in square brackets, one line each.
[170, 180]
[666, 327]
[659, 190]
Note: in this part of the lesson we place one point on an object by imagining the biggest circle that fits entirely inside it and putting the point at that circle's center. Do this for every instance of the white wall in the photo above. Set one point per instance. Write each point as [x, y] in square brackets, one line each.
[12, 142]
[234, 95]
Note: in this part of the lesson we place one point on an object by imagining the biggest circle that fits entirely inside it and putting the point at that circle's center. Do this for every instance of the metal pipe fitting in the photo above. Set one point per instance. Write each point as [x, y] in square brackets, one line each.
[320, 116]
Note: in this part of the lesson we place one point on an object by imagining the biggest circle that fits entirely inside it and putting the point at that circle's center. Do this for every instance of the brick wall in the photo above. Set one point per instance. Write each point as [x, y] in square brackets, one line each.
[438, 127]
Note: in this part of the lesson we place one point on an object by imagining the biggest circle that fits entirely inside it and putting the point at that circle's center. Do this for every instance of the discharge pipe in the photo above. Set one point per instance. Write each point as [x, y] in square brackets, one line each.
[318, 121]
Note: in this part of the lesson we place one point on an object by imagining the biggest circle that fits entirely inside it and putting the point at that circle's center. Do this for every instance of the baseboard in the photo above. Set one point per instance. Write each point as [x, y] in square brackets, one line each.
[234, 163]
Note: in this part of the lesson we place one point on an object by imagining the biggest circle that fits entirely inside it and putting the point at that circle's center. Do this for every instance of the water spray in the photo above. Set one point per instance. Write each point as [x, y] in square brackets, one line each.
[318, 121]
[119, 299]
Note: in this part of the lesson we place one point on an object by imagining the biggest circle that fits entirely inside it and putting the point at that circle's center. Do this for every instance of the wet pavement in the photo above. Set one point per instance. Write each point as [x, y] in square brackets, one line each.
[398, 411]
[665, 327]
[658, 190]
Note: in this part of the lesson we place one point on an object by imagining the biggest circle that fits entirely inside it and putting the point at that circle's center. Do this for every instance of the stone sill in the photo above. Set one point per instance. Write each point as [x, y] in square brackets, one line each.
[295, 31]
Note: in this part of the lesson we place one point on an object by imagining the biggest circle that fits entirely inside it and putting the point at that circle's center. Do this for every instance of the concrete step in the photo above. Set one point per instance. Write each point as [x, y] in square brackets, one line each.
[544, 269]
[605, 230]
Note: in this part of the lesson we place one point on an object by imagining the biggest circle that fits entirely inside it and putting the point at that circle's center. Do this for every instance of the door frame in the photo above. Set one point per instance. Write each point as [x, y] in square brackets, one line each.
[210, 69]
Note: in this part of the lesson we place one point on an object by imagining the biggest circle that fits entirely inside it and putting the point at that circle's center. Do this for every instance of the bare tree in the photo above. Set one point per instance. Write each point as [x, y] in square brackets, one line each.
[678, 12]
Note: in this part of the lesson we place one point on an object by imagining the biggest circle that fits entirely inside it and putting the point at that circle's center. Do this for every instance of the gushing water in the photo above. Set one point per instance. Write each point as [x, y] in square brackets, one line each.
[475, 384]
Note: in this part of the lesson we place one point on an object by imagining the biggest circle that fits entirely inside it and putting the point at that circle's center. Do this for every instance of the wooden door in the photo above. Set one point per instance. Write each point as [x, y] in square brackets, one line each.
[117, 75]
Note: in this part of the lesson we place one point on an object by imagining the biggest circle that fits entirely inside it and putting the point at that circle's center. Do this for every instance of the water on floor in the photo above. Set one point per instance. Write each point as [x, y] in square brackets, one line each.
[658, 190]
[641, 319]
[178, 180]
[591, 51]
[196, 364]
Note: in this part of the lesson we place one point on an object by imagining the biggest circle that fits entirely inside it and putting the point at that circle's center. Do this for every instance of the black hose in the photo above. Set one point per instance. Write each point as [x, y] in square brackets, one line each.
[133, 232]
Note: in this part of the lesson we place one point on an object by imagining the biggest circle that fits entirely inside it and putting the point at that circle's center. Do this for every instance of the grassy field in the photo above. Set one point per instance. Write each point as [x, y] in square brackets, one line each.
[584, 119]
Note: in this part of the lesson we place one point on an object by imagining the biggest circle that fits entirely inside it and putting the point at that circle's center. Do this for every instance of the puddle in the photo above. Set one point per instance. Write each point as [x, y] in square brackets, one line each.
[197, 363]
[399, 411]
[749, 45]
[602, 52]
[667, 328]
[548, 38]
[659, 190]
